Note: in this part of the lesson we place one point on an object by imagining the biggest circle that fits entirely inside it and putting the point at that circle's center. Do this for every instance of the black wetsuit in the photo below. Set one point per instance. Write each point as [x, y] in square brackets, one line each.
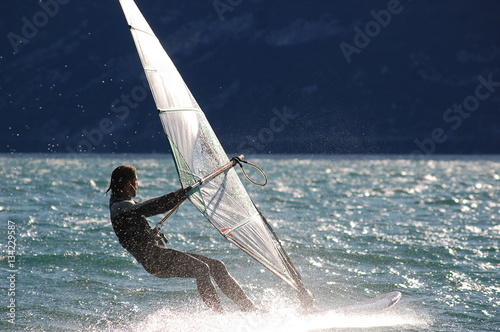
[136, 235]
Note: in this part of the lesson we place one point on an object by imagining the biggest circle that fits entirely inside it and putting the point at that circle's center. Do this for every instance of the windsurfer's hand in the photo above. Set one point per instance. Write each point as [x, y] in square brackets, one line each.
[181, 194]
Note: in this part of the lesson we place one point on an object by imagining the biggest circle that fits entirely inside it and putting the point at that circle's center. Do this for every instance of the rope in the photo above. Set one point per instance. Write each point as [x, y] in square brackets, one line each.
[240, 162]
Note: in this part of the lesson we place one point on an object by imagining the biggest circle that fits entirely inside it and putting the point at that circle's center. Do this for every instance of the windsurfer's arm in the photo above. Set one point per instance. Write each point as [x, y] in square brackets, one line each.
[154, 206]
[160, 204]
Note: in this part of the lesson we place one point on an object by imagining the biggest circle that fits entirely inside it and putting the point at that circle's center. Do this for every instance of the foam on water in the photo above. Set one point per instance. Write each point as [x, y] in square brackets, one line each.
[278, 316]
[167, 320]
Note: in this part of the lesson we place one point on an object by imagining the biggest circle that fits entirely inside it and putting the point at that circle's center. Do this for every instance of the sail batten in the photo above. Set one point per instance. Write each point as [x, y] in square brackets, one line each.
[146, 32]
[178, 110]
[197, 152]
[229, 231]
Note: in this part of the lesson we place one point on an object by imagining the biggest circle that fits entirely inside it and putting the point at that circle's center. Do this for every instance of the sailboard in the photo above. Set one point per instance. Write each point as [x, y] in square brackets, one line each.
[197, 152]
[374, 305]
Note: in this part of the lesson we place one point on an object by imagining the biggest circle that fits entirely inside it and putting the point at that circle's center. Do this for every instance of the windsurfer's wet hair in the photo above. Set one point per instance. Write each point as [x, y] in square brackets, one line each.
[120, 177]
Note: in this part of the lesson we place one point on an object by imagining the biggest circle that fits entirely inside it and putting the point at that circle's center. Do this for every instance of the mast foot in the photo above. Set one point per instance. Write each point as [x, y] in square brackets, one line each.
[306, 298]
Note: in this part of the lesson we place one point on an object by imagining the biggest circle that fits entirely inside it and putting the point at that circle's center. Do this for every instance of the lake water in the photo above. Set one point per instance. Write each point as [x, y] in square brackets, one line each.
[355, 227]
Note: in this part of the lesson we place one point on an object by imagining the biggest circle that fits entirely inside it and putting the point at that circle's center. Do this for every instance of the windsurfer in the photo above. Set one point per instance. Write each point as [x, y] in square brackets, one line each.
[147, 246]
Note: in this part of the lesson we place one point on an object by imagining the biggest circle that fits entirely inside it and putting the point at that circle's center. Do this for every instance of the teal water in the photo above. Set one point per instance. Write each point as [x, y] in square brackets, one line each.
[354, 226]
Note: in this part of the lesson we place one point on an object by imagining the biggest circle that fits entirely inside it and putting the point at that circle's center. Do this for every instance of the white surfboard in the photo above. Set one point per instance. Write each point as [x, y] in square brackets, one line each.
[371, 306]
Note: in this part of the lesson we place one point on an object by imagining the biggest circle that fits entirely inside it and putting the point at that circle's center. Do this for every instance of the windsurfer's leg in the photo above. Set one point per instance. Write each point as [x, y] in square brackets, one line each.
[227, 284]
[207, 289]
[183, 265]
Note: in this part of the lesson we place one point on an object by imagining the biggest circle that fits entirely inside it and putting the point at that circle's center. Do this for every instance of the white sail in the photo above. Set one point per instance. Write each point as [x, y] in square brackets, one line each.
[197, 152]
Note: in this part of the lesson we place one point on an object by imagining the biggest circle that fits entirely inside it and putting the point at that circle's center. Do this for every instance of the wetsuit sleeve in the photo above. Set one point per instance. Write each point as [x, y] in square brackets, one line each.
[154, 206]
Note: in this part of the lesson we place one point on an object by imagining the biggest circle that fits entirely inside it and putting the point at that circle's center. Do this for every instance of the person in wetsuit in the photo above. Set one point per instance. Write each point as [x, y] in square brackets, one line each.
[148, 248]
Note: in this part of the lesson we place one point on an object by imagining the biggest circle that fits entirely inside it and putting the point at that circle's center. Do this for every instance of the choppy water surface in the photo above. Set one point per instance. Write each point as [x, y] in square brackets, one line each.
[354, 226]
